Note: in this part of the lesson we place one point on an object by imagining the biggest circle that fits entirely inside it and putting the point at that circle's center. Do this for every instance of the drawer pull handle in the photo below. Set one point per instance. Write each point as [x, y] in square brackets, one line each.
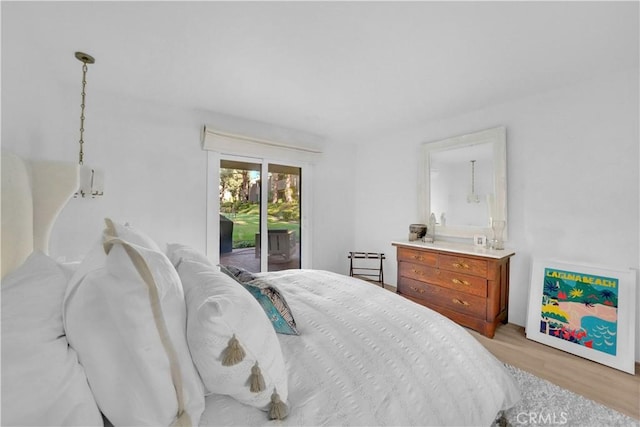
[418, 272]
[461, 282]
[418, 290]
[461, 265]
[461, 302]
[418, 257]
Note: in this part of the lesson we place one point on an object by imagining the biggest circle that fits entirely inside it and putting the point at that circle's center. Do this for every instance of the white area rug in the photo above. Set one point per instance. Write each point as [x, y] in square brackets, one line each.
[546, 404]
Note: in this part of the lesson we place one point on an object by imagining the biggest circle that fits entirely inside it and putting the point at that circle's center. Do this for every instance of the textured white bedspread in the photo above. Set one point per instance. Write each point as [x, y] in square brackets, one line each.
[366, 356]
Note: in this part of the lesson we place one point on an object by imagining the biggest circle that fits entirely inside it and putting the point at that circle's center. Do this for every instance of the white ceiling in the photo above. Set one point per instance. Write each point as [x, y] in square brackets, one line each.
[336, 69]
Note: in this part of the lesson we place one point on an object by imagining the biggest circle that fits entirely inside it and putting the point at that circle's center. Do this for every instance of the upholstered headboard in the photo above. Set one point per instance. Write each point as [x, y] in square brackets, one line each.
[33, 194]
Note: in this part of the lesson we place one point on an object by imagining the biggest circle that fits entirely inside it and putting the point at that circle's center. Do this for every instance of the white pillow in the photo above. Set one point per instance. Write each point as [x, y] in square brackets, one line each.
[219, 308]
[129, 333]
[177, 252]
[42, 381]
[96, 257]
[130, 234]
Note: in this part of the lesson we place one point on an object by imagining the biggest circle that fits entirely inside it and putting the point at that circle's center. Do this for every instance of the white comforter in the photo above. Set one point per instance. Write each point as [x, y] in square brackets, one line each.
[366, 356]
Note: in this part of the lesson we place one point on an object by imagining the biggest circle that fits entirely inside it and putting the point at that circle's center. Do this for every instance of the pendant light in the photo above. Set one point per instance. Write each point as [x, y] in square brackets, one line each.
[91, 180]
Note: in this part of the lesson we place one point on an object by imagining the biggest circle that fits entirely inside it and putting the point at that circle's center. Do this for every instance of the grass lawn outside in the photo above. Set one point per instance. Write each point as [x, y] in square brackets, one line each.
[246, 225]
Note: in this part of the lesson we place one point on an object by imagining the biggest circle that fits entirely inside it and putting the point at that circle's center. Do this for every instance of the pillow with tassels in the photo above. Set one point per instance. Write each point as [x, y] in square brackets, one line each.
[232, 342]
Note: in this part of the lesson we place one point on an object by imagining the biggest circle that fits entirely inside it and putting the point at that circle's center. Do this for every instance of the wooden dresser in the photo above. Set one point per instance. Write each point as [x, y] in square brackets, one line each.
[468, 284]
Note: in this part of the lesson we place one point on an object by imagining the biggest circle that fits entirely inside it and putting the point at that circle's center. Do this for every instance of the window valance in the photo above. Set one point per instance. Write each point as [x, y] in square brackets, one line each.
[243, 145]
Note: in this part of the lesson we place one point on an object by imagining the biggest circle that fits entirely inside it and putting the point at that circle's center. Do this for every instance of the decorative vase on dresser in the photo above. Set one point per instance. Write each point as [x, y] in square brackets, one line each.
[466, 283]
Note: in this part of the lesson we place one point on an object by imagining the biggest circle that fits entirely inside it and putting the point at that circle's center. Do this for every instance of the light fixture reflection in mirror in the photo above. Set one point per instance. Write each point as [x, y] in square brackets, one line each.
[473, 197]
[464, 198]
[469, 203]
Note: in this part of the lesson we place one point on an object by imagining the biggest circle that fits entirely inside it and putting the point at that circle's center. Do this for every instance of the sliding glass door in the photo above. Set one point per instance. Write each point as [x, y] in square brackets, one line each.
[283, 217]
[239, 184]
[246, 207]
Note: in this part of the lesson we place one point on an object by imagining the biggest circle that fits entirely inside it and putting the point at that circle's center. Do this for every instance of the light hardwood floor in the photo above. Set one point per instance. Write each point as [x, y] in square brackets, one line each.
[608, 386]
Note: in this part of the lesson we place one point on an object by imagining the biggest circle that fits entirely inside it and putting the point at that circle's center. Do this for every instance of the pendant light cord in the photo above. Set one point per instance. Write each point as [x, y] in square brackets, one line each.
[84, 85]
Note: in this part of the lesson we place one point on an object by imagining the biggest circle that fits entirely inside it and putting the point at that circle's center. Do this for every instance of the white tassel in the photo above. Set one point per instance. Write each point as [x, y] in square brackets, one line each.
[256, 380]
[278, 409]
[234, 353]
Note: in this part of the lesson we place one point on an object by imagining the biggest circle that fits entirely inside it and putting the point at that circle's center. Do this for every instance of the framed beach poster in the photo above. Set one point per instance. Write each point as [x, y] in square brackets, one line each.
[585, 310]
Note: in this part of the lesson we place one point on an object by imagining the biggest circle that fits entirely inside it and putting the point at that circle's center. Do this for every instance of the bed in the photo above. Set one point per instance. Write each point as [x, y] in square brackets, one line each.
[139, 334]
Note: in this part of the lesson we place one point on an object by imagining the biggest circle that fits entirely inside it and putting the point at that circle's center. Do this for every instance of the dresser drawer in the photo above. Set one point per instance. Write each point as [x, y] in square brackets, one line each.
[414, 288]
[417, 256]
[460, 264]
[420, 272]
[457, 281]
[473, 285]
[436, 295]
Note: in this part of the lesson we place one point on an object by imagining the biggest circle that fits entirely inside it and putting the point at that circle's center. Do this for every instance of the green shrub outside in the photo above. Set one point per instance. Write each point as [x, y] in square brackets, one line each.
[246, 220]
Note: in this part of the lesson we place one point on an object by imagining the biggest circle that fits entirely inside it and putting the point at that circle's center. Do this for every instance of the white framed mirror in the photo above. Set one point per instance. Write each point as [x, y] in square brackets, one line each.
[464, 183]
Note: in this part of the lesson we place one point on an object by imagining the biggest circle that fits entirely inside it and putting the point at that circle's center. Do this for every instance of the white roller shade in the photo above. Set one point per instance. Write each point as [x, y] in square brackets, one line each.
[243, 145]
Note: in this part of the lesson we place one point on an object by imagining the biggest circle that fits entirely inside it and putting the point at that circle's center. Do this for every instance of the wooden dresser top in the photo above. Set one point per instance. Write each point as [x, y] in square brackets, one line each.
[458, 248]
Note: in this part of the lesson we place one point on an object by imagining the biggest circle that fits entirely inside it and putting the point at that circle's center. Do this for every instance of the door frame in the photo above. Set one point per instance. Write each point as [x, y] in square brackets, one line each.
[213, 206]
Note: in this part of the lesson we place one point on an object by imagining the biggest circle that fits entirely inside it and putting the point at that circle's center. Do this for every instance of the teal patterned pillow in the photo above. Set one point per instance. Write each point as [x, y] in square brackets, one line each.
[240, 274]
[274, 304]
[269, 297]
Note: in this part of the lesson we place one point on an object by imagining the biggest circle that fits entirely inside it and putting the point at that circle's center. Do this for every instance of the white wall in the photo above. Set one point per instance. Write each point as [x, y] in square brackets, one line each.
[573, 180]
[333, 207]
[155, 169]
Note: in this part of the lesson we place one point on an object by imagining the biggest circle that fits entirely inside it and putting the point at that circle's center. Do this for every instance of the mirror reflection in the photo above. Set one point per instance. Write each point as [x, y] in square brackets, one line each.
[465, 183]
[462, 188]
